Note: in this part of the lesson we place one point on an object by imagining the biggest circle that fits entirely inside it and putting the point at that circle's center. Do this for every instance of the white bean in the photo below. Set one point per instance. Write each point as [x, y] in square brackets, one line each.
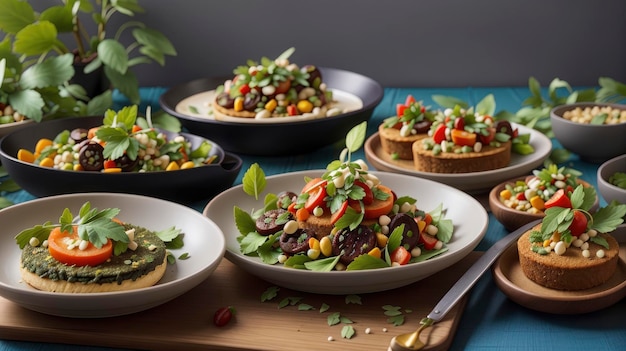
[290, 227]
[560, 248]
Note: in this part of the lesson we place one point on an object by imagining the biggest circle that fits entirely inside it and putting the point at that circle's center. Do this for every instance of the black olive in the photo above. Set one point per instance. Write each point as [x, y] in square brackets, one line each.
[78, 134]
[315, 76]
[349, 244]
[422, 126]
[225, 100]
[504, 127]
[272, 221]
[126, 164]
[410, 235]
[91, 156]
[285, 198]
[297, 242]
[251, 101]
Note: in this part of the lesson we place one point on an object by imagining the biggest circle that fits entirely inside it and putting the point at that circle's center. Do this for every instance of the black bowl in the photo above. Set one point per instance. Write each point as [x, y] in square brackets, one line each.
[183, 186]
[285, 138]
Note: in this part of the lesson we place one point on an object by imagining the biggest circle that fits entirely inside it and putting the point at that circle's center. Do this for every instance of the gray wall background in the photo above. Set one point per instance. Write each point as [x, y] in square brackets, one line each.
[400, 43]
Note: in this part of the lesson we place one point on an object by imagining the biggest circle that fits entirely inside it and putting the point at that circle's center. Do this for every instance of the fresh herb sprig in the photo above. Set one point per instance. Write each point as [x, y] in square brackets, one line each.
[604, 220]
[95, 226]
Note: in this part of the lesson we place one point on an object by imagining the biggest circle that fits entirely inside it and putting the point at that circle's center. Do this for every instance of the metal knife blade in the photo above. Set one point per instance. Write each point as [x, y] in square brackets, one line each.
[467, 281]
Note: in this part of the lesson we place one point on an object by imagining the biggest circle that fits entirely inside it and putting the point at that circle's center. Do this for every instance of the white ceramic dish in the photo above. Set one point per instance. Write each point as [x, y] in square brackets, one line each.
[475, 182]
[8, 128]
[469, 218]
[203, 241]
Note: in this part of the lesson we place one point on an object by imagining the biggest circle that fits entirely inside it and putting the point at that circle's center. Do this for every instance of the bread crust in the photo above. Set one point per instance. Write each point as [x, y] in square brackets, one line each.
[489, 158]
[63, 286]
[395, 144]
[570, 271]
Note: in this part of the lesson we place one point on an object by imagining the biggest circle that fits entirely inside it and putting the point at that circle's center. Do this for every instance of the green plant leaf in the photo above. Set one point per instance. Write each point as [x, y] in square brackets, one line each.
[113, 55]
[29, 103]
[150, 52]
[448, 101]
[38, 38]
[51, 72]
[15, 15]
[254, 181]
[127, 7]
[154, 39]
[356, 136]
[487, 106]
[127, 84]
[60, 16]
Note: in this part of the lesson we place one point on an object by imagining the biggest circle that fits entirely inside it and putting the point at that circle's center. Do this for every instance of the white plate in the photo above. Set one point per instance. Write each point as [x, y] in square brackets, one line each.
[8, 128]
[474, 182]
[203, 241]
[469, 218]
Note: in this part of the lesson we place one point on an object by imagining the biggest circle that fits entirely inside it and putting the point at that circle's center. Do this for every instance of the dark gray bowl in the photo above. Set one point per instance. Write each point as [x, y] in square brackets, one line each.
[593, 143]
[181, 186]
[609, 191]
[273, 139]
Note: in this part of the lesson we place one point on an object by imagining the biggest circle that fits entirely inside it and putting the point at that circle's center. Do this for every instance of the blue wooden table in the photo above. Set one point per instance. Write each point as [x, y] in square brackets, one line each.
[491, 321]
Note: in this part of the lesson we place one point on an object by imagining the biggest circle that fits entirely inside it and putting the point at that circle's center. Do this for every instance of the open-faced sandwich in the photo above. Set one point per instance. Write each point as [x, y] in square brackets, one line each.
[93, 252]
[572, 249]
[410, 124]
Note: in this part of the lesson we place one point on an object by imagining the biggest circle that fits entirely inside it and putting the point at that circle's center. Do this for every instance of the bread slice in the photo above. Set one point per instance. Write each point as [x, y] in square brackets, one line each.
[570, 271]
[136, 269]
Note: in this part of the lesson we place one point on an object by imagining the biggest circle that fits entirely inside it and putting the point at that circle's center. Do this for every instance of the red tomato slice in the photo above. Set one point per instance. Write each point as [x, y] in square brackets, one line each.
[400, 109]
[380, 207]
[463, 138]
[559, 199]
[409, 100]
[335, 216]
[459, 123]
[400, 255]
[316, 188]
[486, 139]
[440, 134]
[579, 223]
[369, 196]
[91, 256]
[428, 241]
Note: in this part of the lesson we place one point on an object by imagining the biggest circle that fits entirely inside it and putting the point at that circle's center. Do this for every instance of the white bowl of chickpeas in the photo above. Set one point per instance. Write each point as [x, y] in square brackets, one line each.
[594, 131]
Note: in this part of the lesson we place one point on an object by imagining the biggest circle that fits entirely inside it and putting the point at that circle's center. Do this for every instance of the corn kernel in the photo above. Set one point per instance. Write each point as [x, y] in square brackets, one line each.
[46, 162]
[326, 246]
[172, 166]
[375, 252]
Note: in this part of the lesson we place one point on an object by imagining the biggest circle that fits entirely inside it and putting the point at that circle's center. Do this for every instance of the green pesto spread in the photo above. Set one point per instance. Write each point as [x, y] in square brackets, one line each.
[129, 265]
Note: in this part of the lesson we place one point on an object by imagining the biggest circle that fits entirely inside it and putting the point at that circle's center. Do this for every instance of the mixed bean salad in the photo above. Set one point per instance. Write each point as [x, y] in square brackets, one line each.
[344, 220]
[118, 145]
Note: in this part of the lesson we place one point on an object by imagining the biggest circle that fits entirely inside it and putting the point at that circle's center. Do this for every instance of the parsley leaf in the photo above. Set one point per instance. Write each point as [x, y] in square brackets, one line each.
[606, 219]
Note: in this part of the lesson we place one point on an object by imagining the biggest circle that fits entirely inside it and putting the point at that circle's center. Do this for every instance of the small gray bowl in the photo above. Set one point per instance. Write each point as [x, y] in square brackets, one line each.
[593, 143]
[609, 191]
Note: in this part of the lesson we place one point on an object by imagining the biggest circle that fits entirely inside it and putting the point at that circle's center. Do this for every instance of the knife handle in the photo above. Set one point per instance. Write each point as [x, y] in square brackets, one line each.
[467, 281]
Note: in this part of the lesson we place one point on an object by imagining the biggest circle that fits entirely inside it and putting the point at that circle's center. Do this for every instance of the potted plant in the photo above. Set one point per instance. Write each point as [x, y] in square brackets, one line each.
[38, 35]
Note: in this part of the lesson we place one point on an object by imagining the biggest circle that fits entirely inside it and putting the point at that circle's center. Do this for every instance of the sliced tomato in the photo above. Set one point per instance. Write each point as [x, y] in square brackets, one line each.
[462, 137]
[292, 110]
[486, 139]
[244, 89]
[579, 223]
[339, 213]
[109, 164]
[559, 199]
[369, 195]
[380, 207]
[400, 255]
[400, 109]
[409, 100]
[440, 134]
[428, 241]
[459, 123]
[91, 256]
[316, 188]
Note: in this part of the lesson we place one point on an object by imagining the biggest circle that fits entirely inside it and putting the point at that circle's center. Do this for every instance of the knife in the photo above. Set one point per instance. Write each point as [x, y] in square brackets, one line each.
[467, 281]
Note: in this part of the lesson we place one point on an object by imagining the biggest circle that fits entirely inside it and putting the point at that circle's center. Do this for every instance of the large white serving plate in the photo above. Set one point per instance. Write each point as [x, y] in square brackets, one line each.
[469, 218]
[474, 182]
[203, 241]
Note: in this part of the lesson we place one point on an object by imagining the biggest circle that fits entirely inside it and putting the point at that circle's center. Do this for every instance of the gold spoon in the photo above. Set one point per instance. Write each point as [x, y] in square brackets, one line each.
[411, 341]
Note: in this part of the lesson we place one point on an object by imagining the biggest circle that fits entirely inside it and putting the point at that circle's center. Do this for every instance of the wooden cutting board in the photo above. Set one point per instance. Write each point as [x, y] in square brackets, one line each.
[186, 323]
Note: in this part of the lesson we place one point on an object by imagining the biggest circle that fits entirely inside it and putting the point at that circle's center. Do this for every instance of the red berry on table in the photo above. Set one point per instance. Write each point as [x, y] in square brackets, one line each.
[223, 315]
